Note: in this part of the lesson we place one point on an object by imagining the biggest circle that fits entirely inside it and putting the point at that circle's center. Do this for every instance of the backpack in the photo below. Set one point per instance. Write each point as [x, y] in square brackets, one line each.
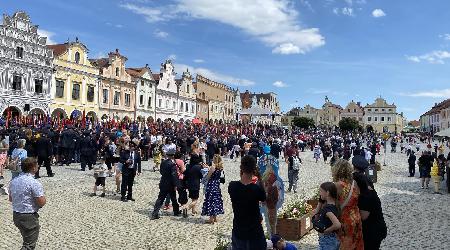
[296, 163]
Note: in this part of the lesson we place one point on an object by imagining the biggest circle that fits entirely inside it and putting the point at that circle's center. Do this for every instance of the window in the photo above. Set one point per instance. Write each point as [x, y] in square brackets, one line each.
[141, 100]
[382, 118]
[181, 106]
[159, 103]
[77, 57]
[376, 110]
[76, 91]
[149, 101]
[19, 52]
[38, 86]
[167, 104]
[354, 110]
[369, 110]
[142, 83]
[187, 108]
[17, 82]
[369, 119]
[90, 94]
[117, 71]
[105, 96]
[174, 105]
[389, 119]
[168, 85]
[116, 98]
[390, 110]
[192, 108]
[59, 88]
[127, 99]
[382, 109]
[187, 88]
[376, 118]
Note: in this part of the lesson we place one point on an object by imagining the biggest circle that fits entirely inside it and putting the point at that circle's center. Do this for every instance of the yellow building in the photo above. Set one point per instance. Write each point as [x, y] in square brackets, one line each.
[75, 83]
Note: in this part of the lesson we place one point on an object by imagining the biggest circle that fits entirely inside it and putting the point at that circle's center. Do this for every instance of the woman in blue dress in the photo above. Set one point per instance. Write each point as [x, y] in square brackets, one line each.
[213, 204]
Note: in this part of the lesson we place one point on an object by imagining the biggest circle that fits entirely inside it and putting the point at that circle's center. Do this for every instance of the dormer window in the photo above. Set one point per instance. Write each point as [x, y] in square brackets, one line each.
[187, 89]
[77, 57]
[168, 85]
[117, 71]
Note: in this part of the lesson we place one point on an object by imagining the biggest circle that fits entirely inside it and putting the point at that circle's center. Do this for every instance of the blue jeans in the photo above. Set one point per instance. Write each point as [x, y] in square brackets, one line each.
[328, 242]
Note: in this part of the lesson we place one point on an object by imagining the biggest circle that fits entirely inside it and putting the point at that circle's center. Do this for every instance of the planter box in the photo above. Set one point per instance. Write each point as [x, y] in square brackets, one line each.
[294, 229]
[313, 203]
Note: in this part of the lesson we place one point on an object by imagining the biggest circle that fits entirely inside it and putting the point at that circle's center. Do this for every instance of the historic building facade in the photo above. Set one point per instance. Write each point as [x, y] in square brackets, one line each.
[215, 91]
[383, 117]
[264, 101]
[353, 110]
[26, 67]
[187, 108]
[117, 91]
[216, 110]
[166, 93]
[307, 111]
[330, 114]
[237, 104]
[145, 92]
[75, 82]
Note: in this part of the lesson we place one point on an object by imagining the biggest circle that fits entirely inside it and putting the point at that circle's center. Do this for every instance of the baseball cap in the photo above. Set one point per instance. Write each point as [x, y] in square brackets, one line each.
[360, 163]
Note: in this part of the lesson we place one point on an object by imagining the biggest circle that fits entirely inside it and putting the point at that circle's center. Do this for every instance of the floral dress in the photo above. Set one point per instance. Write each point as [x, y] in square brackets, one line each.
[350, 235]
[213, 204]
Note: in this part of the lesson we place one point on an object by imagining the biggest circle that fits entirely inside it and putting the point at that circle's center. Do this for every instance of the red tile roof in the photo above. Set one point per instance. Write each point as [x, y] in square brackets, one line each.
[100, 62]
[58, 49]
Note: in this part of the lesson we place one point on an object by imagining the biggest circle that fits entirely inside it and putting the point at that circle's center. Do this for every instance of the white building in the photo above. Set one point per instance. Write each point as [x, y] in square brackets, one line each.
[187, 108]
[145, 92]
[26, 67]
[237, 104]
[166, 93]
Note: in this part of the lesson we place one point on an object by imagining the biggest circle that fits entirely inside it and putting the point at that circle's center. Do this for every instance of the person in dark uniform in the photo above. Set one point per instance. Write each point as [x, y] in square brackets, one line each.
[131, 160]
[68, 141]
[87, 150]
[44, 153]
[167, 185]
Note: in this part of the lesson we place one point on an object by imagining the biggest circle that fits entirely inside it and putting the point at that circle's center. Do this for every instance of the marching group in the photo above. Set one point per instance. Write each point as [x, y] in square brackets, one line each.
[190, 160]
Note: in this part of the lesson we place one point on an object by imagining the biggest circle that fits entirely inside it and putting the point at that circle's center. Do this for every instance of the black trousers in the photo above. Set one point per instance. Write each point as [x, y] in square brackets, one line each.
[46, 162]
[448, 179]
[127, 185]
[88, 160]
[68, 155]
[412, 170]
[159, 202]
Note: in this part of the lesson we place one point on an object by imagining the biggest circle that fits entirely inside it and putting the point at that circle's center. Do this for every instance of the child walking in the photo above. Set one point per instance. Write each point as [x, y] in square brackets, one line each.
[100, 173]
[325, 219]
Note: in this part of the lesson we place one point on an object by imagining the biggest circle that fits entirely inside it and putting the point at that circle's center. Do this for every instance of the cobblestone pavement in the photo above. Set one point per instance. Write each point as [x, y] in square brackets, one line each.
[417, 219]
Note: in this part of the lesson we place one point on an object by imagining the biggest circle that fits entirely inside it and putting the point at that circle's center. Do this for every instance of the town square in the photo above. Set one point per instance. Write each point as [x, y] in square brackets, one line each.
[242, 125]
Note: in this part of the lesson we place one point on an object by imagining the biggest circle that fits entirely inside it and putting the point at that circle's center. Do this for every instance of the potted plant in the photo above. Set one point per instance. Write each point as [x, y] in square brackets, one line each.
[315, 199]
[295, 220]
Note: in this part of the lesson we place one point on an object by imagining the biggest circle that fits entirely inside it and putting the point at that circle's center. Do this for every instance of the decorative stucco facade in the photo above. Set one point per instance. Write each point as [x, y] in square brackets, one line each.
[166, 93]
[145, 92]
[26, 67]
[187, 108]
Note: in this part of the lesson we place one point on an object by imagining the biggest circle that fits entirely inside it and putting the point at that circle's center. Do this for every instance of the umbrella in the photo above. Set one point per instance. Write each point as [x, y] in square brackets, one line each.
[197, 121]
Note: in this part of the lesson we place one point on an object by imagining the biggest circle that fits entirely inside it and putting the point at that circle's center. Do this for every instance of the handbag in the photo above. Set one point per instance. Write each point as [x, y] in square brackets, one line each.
[222, 177]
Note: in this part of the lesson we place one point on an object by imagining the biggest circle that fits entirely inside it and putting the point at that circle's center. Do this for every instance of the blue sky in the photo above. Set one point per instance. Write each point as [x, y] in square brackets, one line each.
[300, 49]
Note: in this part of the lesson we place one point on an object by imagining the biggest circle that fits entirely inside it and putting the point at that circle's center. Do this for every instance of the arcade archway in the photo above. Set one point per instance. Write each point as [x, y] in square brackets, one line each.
[59, 113]
[12, 111]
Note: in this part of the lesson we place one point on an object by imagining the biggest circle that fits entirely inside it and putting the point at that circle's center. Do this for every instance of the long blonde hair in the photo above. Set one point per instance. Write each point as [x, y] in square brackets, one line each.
[218, 162]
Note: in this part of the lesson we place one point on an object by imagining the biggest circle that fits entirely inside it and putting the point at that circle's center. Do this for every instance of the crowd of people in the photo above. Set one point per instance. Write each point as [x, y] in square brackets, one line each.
[190, 160]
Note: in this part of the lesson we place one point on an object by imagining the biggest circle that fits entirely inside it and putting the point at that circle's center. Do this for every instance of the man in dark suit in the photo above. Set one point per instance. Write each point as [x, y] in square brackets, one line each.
[131, 160]
[68, 143]
[44, 153]
[167, 185]
[88, 150]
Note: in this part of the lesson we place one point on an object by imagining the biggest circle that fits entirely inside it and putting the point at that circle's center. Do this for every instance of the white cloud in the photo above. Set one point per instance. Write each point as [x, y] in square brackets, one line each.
[443, 93]
[434, 57]
[275, 22]
[179, 68]
[378, 13]
[280, 84]
[47, 34]
[286, 49]
[160, 34]
[336, 11]
[445, 37]
[172, 57]
[199, 60]
[347, 11]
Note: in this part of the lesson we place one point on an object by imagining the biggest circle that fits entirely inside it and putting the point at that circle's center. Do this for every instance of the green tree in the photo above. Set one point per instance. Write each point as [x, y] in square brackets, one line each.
[349, 124]
[303, 122]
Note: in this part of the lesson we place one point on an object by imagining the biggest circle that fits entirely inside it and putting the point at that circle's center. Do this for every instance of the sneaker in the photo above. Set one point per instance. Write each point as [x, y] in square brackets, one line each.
[118, 191]
[6, 190]
[155, 217]
[102, 195]
[93, 194]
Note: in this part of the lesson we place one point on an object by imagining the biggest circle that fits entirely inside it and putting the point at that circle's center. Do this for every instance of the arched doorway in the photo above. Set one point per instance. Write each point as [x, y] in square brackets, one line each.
[12, 111]
[91, 115]
[36, 111]
[59, 113]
